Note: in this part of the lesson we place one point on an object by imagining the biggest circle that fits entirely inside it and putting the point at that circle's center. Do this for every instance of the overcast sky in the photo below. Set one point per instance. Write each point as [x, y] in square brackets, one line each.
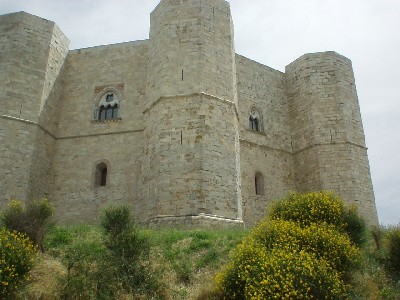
[274, 33]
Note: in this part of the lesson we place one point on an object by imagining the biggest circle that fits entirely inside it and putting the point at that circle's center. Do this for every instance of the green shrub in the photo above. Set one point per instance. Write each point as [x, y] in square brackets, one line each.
[377, 234]
[58, 237]
[355, 226]
[84, 280]
[16, 259]
[117, 264]
[255, 273]
[393, 251]
[129, 251]
[31, 219]
[116, 220]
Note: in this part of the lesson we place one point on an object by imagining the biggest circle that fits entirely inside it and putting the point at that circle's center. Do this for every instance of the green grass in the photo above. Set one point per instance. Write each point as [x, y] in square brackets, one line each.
[189, 252]
[186, 261]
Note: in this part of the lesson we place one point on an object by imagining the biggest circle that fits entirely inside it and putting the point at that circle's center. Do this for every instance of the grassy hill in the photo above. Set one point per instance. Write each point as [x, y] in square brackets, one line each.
[183, 261]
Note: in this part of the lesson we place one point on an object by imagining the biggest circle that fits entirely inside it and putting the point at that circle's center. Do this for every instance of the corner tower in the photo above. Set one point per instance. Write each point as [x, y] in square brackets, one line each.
[328, 137]
[32, 51]
[191, 168]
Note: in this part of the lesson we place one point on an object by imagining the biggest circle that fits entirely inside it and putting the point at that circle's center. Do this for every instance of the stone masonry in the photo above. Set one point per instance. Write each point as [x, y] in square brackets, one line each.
[179, 126]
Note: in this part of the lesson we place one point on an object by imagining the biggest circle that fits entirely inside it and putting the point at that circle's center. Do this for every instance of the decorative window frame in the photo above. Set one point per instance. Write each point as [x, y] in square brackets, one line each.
[101, 93]
[256, 113]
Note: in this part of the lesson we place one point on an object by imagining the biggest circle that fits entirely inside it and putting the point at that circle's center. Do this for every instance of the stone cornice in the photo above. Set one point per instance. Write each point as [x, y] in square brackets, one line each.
[192, 95]
[71, 136]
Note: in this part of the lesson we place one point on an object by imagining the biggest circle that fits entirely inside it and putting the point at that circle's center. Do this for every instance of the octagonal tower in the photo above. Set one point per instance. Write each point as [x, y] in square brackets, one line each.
[191, 168]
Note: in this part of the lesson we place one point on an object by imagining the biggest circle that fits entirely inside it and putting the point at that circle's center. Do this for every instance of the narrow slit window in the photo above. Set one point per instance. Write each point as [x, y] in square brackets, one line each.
[101, 175]
[259, 184]
[103, 179]
[255, 120]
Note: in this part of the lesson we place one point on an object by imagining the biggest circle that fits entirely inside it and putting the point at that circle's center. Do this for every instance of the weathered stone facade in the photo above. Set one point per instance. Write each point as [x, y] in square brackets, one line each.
[178, 126]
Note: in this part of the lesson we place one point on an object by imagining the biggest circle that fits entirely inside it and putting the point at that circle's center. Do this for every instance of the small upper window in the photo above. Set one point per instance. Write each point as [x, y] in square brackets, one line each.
[255, 121]
[108, 107]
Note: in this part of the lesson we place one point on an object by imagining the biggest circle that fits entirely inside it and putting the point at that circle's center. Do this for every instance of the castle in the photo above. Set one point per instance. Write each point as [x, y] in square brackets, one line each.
[179, 126]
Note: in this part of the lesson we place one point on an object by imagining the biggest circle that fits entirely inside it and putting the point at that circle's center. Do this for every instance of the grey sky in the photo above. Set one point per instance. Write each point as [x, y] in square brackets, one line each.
[274, 33]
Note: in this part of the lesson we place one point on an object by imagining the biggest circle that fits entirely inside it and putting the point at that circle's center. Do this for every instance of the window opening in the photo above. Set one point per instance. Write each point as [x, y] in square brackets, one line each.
[259, 184]
[108, 107]
[101, 175]
[255, 121]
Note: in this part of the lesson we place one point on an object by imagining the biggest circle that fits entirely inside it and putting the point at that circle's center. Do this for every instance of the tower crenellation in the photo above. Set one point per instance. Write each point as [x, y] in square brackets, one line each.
[179, 126]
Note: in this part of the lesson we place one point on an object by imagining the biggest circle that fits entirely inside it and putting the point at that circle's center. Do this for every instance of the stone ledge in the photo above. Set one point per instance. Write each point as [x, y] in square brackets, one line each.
[196, 221]
[105, 121]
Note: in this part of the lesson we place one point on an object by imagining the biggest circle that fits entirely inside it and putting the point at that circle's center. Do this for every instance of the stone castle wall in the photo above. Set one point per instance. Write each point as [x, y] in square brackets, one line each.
[83, 142]
[181, 150]
[269, 151]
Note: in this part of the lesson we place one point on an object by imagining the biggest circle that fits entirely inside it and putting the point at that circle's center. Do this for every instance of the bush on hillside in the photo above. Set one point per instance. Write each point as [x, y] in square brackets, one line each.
[393, 250]
[256, 273]
[299, 251]
[31, 219]
[16, 259]
[323, 241]
[355, 226]
[128, 250]
[116, 220]
[120, 264]
[85, 279]
[318, 208]
[306, 209]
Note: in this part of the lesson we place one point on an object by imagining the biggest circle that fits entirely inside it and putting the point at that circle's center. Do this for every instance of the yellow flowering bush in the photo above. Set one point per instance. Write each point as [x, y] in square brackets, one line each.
[31, 218]
[321, 240]
[256, 273]
[16, 259]
[299, 251]
[305, 209]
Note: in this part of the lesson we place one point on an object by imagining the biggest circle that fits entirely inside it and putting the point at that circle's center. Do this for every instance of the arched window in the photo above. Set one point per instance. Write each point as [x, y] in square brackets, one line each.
[253, 123]
[107, 106]
[101, 175]
[255, 120]
[259, 184]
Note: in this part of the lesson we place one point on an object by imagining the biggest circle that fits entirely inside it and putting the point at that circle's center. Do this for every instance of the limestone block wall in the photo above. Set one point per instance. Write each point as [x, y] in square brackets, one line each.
[16, 150]
[277, 170]
[77, 198]
[328, 138]
[92, 70]
[83, 141]
[190, 162]
[25, 44]
[268, 151]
